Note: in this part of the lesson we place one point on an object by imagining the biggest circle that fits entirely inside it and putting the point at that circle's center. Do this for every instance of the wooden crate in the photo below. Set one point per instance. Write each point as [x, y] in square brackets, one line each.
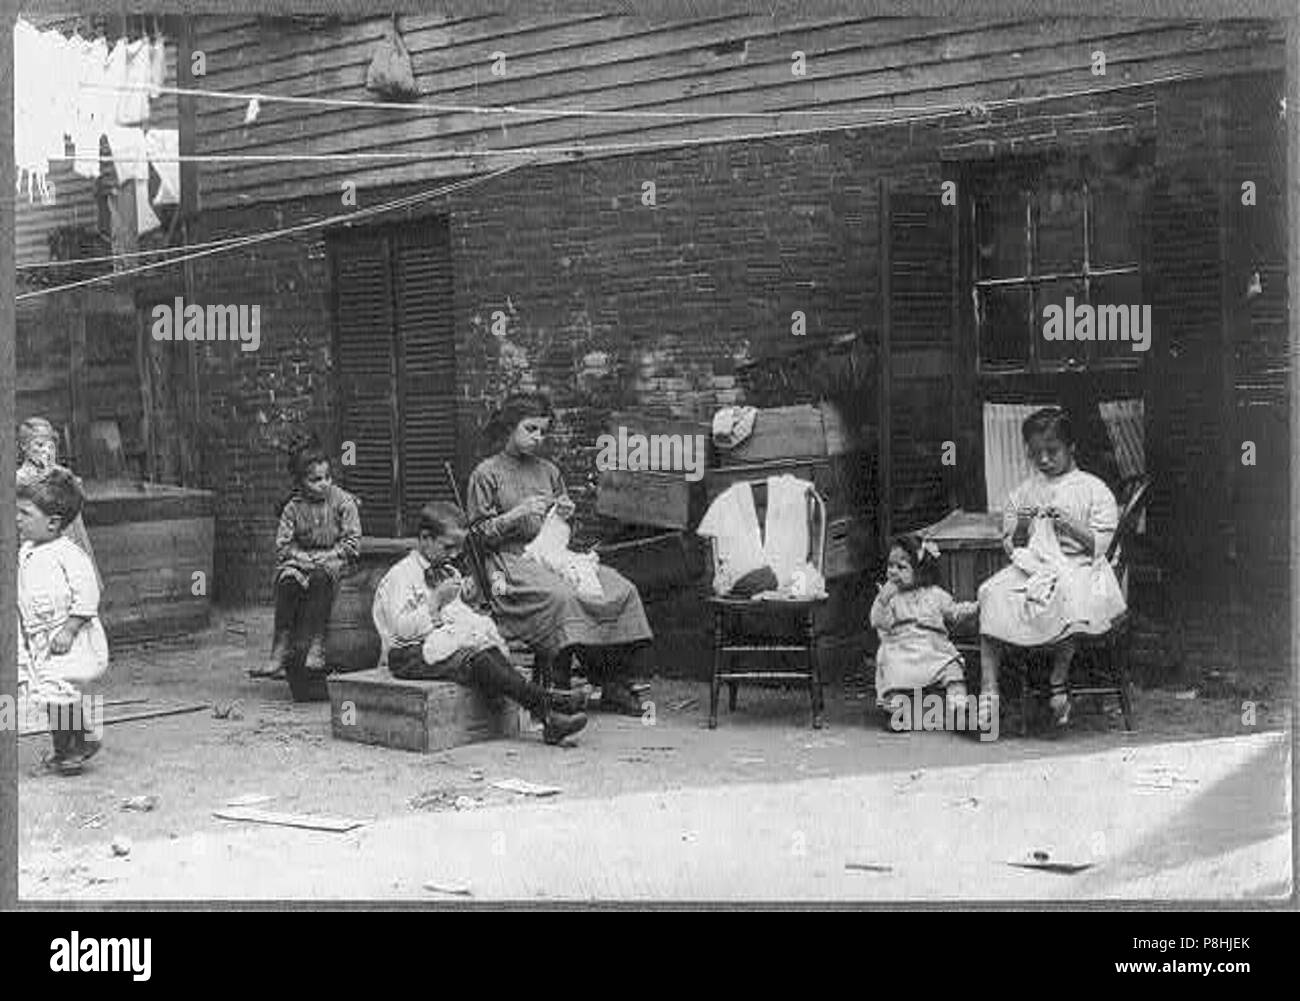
[645, 498]
[848, 547]
[373, 707]
[663, 562]
[661, 498]
[782, 433]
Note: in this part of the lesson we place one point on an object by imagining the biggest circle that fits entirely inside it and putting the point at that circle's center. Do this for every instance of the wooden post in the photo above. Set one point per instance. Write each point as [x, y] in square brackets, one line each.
[885, 518]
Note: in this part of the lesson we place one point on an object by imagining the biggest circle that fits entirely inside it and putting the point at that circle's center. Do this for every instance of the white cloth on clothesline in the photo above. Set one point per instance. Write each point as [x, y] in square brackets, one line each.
[162, 146]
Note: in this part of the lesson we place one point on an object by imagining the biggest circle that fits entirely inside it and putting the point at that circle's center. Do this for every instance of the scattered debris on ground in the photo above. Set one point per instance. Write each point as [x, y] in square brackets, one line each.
[121, 846]
[141, 804]
[310, 822]
[228, 710]
[452, 887]
[867, 867]
[526, 788]
[1043, 861]
[249, 799]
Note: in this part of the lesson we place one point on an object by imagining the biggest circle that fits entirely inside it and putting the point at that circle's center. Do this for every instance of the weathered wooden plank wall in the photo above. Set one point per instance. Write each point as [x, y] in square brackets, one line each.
[722, 66]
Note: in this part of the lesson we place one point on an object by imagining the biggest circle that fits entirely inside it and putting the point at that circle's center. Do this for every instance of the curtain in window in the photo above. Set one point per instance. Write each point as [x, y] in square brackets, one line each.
[1005, 462]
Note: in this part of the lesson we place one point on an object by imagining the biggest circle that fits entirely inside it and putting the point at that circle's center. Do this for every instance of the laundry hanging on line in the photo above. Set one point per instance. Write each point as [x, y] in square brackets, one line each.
[68, 90]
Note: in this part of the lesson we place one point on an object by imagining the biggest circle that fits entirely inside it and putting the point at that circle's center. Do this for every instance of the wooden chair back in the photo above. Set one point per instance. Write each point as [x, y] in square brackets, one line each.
[1136, 494]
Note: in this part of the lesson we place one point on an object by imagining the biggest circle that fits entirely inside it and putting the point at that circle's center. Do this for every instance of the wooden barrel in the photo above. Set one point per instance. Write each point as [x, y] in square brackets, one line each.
[351, 642]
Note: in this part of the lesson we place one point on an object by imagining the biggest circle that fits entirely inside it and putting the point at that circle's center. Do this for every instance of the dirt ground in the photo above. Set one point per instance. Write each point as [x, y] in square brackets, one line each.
[195, 763]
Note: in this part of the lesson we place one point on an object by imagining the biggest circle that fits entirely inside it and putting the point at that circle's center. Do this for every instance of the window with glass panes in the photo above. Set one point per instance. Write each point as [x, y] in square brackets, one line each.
[1044, 231]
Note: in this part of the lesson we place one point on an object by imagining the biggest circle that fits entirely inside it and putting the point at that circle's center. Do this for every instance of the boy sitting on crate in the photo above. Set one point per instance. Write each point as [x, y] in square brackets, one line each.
[430, 631]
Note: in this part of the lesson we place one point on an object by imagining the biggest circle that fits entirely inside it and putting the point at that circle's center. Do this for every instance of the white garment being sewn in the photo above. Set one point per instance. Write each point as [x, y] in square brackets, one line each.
[550, 547]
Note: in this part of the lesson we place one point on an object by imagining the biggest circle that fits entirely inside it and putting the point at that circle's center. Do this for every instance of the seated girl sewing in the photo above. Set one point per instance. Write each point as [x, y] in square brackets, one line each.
[1057, 526]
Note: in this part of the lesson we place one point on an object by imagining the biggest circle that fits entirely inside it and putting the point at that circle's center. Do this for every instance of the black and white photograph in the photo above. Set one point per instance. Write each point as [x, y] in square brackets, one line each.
[738, 454]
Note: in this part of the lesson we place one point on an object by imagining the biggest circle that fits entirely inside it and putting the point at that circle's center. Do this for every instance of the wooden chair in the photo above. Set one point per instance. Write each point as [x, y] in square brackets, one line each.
[1102, 661]
[731, 639]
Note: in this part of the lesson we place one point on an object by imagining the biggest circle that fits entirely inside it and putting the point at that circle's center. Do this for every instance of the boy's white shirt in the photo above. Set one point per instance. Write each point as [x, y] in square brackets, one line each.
[56, 580]
[404, 614]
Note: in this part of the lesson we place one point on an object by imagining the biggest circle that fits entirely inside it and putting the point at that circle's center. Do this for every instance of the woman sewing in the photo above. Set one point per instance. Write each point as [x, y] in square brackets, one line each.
[512, 494]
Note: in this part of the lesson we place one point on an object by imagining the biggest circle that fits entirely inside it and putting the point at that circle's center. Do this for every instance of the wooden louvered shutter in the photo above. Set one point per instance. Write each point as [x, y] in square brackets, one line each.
[365, 362]
[427, 363]
[918, 260]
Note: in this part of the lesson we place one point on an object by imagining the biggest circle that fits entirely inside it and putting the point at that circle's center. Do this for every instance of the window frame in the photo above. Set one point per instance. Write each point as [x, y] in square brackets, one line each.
[1028, 174]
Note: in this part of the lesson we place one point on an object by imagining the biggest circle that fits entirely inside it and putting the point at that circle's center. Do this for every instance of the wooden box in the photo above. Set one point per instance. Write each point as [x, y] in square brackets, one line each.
[663, 562]
[663, 498]
[373, 707]
[645, 498]
[848, 547]
[970, 550]
[782, 433]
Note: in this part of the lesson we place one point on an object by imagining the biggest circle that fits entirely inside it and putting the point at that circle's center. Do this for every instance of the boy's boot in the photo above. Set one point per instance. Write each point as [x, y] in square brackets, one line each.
[274, 666]
[559, 725]
[60, 738]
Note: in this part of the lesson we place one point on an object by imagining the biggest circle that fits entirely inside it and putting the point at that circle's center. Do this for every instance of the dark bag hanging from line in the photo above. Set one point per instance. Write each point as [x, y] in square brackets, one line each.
[391, 74]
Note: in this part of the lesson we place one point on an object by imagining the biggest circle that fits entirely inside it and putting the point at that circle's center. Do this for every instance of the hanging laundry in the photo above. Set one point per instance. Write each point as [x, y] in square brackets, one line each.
[130, 158]
[162, 146]
[90, 122]
[137, 80]
[251, 113]
[145, 220]
[157, 65]
[38, 130]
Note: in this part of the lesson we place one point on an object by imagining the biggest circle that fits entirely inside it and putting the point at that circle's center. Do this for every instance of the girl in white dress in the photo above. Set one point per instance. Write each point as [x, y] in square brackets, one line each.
[912, 615]
[1057, 526]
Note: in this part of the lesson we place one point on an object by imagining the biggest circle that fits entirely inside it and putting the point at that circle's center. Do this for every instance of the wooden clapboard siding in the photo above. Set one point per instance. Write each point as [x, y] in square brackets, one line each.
[857, 66]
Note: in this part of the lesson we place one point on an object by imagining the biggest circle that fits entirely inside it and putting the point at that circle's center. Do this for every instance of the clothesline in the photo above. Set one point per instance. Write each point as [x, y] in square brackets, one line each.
[345, 217]
[242, 97]
[573, 149]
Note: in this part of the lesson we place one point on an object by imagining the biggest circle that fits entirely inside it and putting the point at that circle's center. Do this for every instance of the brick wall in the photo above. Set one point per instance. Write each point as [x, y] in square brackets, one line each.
[613, 304]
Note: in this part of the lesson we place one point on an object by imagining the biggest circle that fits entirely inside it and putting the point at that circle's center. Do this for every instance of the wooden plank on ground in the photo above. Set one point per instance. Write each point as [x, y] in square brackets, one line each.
[253, 815]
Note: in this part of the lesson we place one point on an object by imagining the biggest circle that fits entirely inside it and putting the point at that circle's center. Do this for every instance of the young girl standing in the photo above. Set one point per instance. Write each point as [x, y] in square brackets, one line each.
[1057, 526]
[912, 615]
[319, 538]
